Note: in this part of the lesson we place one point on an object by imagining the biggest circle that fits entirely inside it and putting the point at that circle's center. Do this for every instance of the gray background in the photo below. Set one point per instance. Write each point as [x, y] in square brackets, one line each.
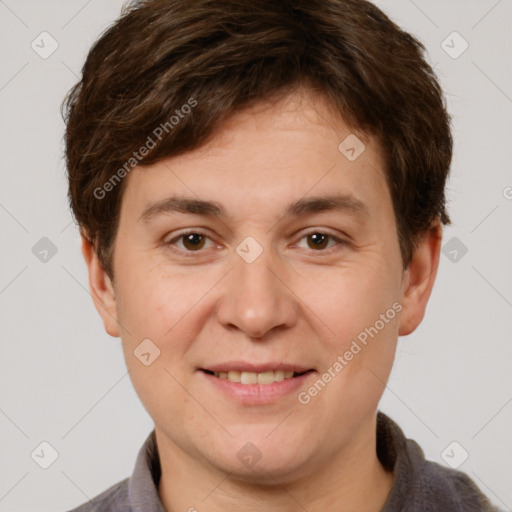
[63, 379]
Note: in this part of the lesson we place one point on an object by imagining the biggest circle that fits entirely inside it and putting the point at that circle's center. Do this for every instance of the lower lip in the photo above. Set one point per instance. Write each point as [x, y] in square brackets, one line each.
[255, 394]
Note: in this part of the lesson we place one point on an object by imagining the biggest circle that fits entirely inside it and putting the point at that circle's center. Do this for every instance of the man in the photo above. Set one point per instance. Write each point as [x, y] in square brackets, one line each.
[260, 192]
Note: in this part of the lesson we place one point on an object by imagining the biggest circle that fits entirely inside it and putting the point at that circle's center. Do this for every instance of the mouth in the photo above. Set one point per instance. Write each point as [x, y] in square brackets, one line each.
[250, 385]
[249, 377]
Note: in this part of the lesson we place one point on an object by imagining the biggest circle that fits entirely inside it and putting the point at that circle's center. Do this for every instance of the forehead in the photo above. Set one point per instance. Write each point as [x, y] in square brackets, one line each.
[270, 154]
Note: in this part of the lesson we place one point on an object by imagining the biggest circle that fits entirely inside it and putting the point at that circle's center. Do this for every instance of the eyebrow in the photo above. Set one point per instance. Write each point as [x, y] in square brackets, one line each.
[180, 204]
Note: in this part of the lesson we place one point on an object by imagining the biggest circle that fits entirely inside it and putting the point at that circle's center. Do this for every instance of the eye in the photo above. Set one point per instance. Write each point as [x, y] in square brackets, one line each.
[192, 241]
[195, 241]
[319, 241]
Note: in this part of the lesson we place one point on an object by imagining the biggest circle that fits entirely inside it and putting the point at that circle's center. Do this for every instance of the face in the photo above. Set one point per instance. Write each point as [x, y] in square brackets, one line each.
[277, 253]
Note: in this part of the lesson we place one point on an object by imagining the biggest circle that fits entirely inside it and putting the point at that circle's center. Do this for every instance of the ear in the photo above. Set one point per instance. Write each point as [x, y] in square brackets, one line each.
[419, 279]
[102, 289]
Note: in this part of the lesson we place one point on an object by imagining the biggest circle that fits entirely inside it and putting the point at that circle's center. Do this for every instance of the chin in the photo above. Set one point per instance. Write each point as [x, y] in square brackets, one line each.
[263, 459]
[268, 472]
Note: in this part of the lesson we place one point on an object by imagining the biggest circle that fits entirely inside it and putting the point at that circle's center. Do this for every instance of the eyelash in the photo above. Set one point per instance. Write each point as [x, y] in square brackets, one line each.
[186, 253]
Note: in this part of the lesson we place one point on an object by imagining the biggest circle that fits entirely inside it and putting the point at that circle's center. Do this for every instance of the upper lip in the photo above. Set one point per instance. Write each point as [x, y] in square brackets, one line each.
[245, 366]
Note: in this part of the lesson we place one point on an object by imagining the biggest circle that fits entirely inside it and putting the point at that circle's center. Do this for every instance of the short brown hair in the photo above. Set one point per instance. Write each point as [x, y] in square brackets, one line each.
[225, 55]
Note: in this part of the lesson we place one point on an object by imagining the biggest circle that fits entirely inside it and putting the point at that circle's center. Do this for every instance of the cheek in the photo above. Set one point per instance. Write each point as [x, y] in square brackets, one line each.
[152, 302]
[349, 300]
[363, 312]
[155, 310]
[168, 309]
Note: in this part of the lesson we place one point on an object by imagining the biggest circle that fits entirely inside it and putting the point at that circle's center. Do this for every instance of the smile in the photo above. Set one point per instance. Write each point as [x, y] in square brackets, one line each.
[256, 388]
[267, 377]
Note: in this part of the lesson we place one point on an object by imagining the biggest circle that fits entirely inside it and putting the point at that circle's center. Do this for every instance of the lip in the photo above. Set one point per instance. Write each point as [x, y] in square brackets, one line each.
[245, 366]
[257, 394]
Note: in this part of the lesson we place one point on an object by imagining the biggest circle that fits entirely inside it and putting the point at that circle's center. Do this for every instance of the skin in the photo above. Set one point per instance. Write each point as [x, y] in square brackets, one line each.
[295, 303]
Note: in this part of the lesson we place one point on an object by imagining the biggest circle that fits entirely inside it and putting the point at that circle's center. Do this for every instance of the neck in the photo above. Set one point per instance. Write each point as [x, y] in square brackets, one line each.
[351, 481]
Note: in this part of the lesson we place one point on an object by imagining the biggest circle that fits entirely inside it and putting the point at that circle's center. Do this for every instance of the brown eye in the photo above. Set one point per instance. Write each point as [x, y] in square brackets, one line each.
[189, 242]
[318, 240]
[193, 241]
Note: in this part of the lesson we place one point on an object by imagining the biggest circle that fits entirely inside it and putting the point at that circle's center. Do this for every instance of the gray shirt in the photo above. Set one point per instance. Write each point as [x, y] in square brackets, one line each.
[419, 486]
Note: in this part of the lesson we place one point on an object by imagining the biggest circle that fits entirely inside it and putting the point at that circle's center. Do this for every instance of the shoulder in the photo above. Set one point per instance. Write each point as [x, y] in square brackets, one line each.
[113, 499]
[421, 484]
[439, 486]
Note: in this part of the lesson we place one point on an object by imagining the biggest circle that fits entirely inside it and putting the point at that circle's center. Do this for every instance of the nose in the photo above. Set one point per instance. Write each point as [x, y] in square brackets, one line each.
[257, 297]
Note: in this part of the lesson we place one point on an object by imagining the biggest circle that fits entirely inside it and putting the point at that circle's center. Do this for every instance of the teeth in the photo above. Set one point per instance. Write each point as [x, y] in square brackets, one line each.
[249, 377]
[233, 376]
[255, 378]
[280, 375]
